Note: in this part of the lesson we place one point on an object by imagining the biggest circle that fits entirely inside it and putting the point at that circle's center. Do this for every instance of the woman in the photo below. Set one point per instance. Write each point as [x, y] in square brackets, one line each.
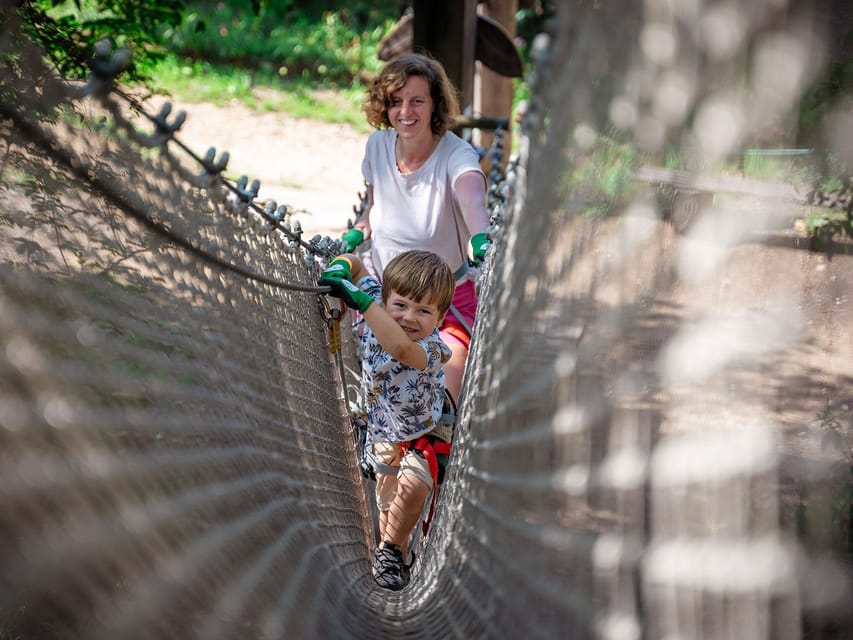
[425, 188]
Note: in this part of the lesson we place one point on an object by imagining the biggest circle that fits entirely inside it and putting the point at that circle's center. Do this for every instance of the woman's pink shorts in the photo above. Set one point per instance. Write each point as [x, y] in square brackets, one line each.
[465, 300]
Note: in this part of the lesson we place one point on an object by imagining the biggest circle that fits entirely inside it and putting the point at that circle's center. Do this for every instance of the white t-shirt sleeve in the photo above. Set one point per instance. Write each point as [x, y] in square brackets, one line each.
[463, 158]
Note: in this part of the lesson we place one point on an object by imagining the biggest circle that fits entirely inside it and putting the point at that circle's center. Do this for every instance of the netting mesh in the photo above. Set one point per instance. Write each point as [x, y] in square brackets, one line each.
[636, 452]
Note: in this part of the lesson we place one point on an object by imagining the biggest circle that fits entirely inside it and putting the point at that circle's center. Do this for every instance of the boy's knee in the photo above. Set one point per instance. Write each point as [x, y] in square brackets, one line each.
[410, 483]
[415, 470]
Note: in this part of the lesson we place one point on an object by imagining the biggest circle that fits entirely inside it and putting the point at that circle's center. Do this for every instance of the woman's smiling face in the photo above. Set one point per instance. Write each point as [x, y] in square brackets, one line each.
[410, 111]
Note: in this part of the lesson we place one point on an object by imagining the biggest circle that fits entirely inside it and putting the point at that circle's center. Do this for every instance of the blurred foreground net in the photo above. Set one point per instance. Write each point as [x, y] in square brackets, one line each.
[654, 370]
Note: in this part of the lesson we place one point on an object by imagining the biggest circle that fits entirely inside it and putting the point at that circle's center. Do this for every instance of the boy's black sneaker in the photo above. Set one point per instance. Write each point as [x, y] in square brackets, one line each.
[388, 569]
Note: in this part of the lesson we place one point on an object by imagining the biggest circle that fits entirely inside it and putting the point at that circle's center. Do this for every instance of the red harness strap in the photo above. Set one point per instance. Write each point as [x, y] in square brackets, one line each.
[430, 448]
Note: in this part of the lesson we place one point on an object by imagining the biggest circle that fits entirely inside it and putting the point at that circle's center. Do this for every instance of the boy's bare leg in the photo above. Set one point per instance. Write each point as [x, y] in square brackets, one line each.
[405, 511]
[383, 525]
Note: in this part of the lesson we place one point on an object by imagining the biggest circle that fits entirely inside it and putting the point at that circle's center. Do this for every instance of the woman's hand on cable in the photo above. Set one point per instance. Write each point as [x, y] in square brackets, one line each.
[338, 277]
[480, 244]
[351, 239]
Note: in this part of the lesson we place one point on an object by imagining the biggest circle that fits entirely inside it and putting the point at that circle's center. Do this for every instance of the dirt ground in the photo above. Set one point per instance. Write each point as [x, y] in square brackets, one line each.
[313, 167]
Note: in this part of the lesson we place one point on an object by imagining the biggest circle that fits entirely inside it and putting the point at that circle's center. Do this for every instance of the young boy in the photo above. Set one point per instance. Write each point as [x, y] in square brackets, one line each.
[403, 380]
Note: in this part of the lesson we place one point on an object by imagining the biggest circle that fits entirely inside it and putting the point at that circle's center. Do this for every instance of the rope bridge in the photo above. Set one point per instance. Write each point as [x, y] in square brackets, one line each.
[636, 437]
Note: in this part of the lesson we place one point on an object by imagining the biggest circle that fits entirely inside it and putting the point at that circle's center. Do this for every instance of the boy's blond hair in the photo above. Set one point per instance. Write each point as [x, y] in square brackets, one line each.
[421, 276]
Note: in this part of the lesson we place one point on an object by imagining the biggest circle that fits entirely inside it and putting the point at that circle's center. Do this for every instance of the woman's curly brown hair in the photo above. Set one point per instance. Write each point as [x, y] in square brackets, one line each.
[395, 74]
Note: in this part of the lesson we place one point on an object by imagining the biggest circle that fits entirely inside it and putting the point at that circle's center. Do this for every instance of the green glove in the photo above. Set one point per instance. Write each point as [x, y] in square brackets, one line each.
[351, 239]
[479, 246]
[352, 296]
[337, 277]
[338, 269]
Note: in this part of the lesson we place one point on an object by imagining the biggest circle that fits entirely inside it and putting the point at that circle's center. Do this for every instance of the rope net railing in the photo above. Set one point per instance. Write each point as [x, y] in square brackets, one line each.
[637, 453]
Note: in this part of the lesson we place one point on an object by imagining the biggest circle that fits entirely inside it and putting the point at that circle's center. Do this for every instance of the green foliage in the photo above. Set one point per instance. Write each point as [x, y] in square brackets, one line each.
[290, 38]
[822, 225]
[530, 21]
[672, 159]
[293, 40]
[794, 169]
[283, 55]
[197, 81]
[829, 89]
[836, 174]
[296, 57]
[68, 30]
[601, 178]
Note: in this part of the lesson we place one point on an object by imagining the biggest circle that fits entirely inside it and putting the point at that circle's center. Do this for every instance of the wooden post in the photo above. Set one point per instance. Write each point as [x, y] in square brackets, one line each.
[493, 92]
[446, 30]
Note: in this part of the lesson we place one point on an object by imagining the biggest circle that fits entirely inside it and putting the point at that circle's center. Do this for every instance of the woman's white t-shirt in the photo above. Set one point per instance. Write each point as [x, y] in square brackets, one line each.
[417, 210]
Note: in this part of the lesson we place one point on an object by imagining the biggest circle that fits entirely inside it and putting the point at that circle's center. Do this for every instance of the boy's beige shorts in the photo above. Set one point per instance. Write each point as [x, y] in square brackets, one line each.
[390, 453]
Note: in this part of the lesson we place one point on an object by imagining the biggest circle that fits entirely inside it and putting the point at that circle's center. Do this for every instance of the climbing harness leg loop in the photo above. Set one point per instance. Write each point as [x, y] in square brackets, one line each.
[429, 447]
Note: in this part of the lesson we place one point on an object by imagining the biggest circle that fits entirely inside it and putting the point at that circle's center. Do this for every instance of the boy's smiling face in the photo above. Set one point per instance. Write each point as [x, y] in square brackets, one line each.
[417, 318]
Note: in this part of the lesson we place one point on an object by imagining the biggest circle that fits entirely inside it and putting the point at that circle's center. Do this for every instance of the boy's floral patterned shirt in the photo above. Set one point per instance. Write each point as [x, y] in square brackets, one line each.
[403, 403]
